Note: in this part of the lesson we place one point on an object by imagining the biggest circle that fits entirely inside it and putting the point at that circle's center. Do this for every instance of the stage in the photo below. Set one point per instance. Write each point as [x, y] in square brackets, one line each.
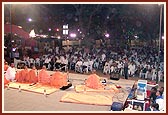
[15, 101]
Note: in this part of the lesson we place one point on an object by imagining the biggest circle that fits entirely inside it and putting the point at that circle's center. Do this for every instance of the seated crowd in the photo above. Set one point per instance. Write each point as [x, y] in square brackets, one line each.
[142, 62]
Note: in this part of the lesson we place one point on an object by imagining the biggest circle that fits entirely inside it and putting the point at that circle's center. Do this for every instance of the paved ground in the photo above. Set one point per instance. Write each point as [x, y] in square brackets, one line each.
[24, 101]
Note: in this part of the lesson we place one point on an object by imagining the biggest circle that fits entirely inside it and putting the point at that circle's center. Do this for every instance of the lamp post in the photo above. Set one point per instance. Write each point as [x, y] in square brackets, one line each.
[160, 37]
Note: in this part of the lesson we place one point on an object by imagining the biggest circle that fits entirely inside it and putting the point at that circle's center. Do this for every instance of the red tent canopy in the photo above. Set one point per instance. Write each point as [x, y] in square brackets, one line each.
[8, 28]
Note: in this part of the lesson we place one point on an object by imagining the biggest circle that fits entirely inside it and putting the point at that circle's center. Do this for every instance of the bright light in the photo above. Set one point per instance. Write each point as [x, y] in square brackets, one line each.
[136, 36]
[57, 29]
[73, 35]
[107, 35]
[162, 37]
[44, 36]
[19, 26]
[49, 29]
[29, 19]
[65, 32]
[78, 30]
[52, 37]
[32, 34]
[65, 29]
[58, 37]
[65, 26]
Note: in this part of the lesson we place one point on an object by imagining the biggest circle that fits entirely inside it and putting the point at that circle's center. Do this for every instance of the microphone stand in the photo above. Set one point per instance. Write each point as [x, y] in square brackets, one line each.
[68, 75]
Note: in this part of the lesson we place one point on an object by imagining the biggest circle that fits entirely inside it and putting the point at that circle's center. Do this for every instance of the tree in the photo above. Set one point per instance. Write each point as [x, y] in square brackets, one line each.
[85, 14]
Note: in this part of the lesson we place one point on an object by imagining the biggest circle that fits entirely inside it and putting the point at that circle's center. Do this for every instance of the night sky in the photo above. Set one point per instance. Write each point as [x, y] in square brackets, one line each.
[119, 20]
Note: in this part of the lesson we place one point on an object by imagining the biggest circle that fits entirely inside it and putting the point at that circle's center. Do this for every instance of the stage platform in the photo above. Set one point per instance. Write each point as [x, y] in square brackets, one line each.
[25, 101]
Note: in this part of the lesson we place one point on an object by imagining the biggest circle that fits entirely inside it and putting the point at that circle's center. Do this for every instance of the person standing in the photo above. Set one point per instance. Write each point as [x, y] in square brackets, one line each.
[126, 69]
[46, 62]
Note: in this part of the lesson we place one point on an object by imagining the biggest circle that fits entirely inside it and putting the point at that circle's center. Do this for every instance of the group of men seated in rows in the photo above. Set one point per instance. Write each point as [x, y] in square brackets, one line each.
[141, 62]
[57, 79]
[144, 71]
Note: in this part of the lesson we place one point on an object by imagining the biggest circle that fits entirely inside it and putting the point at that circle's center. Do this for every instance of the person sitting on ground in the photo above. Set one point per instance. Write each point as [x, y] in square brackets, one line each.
[43, 76]
[78, 66]
[58, 79]
[22, 76]
[93, 81]
[10, 73]
[32, 75]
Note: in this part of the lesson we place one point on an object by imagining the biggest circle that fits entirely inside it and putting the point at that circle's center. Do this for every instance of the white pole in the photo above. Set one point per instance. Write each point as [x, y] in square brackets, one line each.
[160, 37]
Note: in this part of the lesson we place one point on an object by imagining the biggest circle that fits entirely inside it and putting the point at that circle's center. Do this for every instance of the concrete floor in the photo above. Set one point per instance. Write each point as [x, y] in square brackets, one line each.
[14, 101]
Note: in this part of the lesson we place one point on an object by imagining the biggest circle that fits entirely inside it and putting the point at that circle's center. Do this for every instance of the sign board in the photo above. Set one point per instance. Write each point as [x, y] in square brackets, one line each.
[141, 89]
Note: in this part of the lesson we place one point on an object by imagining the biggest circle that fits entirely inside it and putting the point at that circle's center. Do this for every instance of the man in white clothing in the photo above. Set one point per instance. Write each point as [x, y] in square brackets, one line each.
[31, 61]
[106, 68]
[90, 64]
[10, 73]
[78, 66]
[64, 63]
[46, 62]
[37, 61]
[131, 70]
[85, 66]
[160, 100]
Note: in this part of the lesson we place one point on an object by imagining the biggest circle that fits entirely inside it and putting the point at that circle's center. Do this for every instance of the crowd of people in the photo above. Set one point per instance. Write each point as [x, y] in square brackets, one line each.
[141, 62]
[132, 62]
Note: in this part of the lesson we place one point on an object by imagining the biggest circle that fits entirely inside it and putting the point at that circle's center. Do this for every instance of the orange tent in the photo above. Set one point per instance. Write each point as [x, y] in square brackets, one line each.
[14, 29]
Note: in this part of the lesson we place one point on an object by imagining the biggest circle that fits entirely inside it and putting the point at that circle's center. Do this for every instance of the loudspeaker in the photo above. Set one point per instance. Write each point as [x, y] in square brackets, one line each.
[114, 76]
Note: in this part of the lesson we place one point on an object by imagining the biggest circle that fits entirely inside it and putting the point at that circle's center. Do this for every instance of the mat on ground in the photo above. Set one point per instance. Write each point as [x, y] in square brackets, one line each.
[83, 98]
[37, 88]
[107, 88]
